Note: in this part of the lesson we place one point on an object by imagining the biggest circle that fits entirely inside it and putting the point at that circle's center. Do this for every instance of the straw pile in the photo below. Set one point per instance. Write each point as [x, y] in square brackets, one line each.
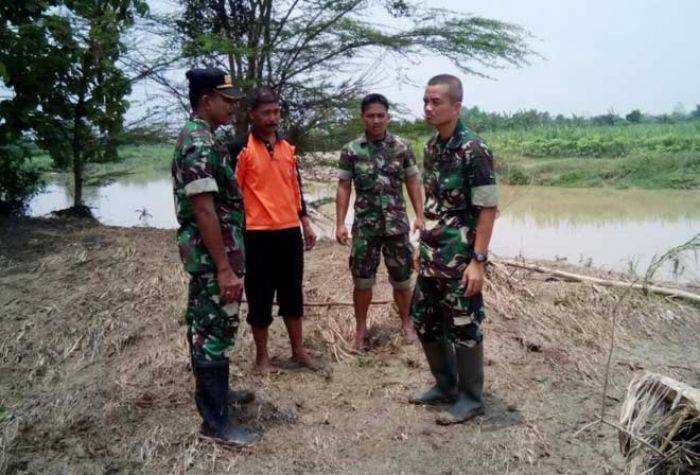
[661, 422]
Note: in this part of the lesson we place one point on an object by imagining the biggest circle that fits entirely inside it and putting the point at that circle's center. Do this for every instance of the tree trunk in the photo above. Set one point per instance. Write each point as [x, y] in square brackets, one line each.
[77, 152]
[77, 172]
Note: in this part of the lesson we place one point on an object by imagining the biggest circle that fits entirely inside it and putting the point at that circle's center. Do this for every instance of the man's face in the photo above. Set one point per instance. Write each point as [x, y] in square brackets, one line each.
[438, 106]
[220, 108]
[375, 118]
[266, 117]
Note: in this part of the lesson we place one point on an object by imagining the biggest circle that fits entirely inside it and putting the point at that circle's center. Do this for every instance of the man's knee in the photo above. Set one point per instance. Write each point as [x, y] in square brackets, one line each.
[400, 285]
[466, 332]
[363, 283]
[364, 261]
[259, 317]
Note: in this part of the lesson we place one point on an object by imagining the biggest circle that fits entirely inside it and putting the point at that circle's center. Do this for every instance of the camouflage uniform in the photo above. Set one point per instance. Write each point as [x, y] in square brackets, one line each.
[378, 170]
[203, 165]
[459, 178]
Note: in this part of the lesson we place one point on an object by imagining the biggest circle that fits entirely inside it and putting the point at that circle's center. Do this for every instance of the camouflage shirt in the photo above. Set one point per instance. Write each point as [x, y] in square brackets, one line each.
[203, 165]
[378, 170]
[459, 178]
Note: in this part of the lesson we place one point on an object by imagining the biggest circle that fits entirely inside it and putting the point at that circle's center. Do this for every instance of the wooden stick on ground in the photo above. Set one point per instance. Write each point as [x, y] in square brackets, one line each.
[604, 282]
[336, 304]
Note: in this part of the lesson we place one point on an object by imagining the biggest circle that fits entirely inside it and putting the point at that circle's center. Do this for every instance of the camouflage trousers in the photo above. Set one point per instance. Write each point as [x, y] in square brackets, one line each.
[211, 327]
[441, 310]
[364, 259]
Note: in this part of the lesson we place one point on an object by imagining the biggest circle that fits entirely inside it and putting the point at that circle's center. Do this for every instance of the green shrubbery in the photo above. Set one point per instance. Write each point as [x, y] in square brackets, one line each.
[19, 179]
[597, 142]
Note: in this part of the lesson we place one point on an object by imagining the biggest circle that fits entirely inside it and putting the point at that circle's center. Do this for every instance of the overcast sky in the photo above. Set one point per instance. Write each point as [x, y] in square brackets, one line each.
[599, 55]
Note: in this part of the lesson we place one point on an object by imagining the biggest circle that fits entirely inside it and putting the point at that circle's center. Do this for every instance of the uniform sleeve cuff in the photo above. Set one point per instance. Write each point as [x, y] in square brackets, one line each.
[344, 175]
[485, 196]
[202, 185]
[410, 171]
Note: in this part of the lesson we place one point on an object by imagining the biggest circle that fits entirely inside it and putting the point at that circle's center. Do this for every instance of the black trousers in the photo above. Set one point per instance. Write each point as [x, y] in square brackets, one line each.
[274, 265]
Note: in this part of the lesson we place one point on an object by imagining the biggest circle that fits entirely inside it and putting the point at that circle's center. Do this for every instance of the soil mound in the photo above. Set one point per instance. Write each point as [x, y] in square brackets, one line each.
[95, 377]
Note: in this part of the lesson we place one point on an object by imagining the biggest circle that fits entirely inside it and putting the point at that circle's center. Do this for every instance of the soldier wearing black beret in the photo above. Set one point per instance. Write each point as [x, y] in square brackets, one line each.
[209, 210]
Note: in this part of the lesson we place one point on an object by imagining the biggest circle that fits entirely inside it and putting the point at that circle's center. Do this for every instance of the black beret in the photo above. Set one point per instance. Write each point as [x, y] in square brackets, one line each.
[212, 79]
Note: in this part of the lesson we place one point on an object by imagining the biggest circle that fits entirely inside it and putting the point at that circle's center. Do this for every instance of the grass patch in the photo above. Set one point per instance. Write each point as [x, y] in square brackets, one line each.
[653, 170]
[653, 156]
[137, 163]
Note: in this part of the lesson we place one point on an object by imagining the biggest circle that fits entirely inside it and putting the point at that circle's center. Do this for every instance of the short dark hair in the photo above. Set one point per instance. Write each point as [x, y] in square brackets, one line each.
[373, 99]
[454, 85]
[195, 95]
[261, 96]
[206, 80]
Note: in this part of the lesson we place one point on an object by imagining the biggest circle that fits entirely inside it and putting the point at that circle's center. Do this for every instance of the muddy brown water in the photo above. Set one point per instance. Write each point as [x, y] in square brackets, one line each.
[620, 230]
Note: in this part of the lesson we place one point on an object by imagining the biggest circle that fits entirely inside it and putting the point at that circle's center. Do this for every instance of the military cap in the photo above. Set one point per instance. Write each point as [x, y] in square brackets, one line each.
[212, 79]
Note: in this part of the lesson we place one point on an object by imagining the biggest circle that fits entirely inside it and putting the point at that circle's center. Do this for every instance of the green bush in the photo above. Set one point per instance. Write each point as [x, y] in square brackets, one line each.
[19, 180]
[515, 175]
[598, 142]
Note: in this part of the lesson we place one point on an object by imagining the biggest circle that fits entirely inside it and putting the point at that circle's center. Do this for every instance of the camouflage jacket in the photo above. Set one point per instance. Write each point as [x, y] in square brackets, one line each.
[203, 165]
[459, 178]
[378, 170]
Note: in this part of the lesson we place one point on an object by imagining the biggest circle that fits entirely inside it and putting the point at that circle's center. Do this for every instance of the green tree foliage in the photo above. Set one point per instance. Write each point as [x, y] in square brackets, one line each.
[634, 117]
[18, 179]
[60, 60]
[481, 121]
[695, 115]
[320, 55]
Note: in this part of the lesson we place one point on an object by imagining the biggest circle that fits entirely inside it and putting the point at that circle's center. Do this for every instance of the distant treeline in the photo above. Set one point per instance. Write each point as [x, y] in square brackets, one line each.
[334, 136]
[489, 121]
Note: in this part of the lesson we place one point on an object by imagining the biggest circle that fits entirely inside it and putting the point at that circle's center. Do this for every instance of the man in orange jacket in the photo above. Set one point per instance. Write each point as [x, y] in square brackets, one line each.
[268, 176]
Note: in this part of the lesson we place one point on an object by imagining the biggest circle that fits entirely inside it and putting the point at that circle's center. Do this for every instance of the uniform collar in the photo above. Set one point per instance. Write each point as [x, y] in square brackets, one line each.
[456, 140]
[202, 122]
[388, 138]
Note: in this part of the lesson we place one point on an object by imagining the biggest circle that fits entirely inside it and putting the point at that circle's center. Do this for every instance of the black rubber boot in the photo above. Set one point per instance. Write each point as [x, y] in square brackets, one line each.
[470, 401]
[211, 393]
[441, 359]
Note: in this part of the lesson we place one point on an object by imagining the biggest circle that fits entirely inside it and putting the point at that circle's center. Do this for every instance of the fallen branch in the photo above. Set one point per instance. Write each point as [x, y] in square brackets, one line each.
[604, 282]
[336, 303]
[343, 304]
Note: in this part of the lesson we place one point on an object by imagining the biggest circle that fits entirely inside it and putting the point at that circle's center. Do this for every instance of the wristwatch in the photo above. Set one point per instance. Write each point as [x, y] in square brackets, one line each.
[481, 256]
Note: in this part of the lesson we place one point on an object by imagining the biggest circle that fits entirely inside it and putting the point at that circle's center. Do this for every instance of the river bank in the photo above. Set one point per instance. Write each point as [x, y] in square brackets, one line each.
[95, 375]
[589, 226]
[645, 156]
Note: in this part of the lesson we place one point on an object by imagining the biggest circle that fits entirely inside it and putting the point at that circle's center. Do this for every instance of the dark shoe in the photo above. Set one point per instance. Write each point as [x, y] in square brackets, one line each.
[440, 356]
[470, 401]
[242, 396]
[231, 434]
[211, 395]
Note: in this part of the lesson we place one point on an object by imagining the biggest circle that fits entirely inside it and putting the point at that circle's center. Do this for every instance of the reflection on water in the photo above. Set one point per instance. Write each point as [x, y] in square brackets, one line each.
[611, 229]
[121, 203]
[549, 205]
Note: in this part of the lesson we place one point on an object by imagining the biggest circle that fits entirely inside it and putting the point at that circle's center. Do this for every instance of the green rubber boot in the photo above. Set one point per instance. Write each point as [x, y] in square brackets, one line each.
[470, 401]
[441, 359]
[211, 392]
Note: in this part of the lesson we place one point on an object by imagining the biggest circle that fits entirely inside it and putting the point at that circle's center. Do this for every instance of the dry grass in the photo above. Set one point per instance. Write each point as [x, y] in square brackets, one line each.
[95, 375]
[661, 427]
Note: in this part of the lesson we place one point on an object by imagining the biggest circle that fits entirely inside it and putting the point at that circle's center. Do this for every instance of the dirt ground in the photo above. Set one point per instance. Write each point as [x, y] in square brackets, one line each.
[95, 377]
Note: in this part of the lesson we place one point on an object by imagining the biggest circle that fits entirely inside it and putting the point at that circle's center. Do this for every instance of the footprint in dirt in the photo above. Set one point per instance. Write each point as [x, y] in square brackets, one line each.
[264, 414]
[499, 414]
